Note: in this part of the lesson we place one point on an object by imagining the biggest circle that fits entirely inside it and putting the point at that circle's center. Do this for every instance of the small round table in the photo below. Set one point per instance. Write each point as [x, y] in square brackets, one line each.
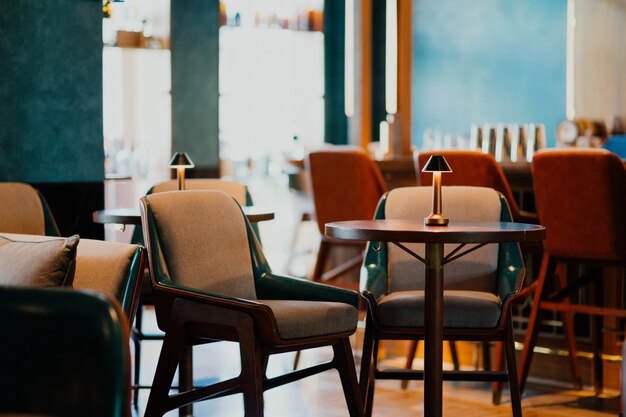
[132, 216]
[434, 238]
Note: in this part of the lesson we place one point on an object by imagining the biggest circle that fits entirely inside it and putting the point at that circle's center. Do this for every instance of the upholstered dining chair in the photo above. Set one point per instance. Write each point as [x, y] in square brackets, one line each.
[211, 282]
[346, 185]
[581, 200]
[478, 288]
[235, 189]
[24, 210]
[63, 353]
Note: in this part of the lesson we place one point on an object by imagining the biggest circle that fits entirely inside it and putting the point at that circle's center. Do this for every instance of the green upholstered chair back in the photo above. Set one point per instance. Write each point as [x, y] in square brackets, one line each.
[182, 224]
[109, 268]
[24, 210]
[63, 353]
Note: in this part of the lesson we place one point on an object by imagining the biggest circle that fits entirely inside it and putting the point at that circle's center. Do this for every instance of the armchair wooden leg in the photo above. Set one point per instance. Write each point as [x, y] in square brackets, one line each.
[344, 361]
[410, 355]
[369, 399]
[496, 387]
[366, 358]
[548, 267]
[509, 349]
[137, 355]
[412, 350]
[185, 378]
[486, 356]
[252, 369]
[166, 367]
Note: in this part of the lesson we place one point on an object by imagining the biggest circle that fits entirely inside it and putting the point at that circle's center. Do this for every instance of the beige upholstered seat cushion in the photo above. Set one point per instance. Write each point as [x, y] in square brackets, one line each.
[204, 241]
[297, 319]
[462, 309]
[20, 209]
[232, 188]
[475, 271]
[48, 263]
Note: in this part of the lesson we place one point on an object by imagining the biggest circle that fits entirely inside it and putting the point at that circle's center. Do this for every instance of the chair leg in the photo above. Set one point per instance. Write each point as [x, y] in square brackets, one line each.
[486, 356]
[366, 358]
[320, 262]
[412, 350]
[568, 326]
[496, 387]
[166, 367]
[185, 378]
[369, 401]
[410, 355]
[252, 370]
[137, 355]
[344, 362]
[534, 322]
[296, 360]
[509, 349]
[597, 324]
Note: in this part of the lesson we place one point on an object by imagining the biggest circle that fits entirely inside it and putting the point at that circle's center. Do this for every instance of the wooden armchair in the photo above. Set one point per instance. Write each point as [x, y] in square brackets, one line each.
[478, 288]
[211, 282]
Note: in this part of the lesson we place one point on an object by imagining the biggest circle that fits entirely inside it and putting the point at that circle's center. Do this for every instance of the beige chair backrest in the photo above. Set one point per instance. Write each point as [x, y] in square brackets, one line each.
[475, 271]
[232, 188]
[20, 209]
[204, 241]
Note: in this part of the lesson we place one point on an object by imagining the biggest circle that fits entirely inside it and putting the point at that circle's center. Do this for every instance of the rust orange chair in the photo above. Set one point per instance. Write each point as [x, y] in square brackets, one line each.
[581, 199]
[346, 185]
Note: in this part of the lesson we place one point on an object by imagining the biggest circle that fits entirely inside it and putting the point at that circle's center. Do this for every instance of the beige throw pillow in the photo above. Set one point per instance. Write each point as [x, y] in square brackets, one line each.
[50, 263]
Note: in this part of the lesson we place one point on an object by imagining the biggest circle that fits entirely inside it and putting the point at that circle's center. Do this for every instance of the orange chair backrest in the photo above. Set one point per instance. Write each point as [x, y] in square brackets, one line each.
[345, 183]
[581, 199]
[470, 168]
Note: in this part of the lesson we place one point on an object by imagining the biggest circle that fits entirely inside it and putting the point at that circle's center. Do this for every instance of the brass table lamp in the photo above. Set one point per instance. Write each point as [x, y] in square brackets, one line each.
[436, 164]
[181, 161]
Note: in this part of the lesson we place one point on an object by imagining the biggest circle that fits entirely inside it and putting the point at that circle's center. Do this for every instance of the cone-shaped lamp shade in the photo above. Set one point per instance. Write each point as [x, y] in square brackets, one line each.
[181, 160]
[436, 163]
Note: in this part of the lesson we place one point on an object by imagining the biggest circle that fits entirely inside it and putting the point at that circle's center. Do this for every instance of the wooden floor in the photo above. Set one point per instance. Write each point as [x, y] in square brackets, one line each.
[321, 395]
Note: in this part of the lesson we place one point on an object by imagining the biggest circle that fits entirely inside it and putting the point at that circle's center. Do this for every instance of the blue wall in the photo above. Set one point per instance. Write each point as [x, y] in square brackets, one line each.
[51, 91]
[477, 61]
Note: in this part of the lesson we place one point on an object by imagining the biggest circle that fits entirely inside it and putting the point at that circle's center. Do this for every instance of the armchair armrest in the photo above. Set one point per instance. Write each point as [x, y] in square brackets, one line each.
[374, 279]
[279, 287]
[194, 294]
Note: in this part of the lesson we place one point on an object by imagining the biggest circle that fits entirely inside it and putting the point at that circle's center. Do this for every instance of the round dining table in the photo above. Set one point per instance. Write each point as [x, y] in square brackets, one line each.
[434, 237]
[131, 215]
